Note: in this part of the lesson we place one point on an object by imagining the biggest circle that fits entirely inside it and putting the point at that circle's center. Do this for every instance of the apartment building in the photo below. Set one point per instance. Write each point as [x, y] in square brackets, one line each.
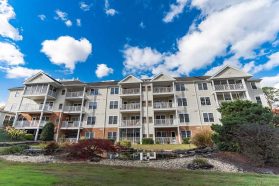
[164, 108]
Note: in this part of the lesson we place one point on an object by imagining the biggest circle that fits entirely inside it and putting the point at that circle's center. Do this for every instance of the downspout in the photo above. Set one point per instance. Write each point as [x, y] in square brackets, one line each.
[105, 114]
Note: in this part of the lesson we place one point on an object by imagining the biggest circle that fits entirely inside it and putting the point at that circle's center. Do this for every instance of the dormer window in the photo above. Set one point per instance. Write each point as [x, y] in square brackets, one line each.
[253, 85]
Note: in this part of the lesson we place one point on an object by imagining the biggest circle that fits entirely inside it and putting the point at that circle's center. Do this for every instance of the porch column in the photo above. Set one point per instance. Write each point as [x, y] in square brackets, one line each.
[42, 113]
[178, 134]
[81, 111]
[141, 129]
[59, 122]
[17, 110]
[246, 89]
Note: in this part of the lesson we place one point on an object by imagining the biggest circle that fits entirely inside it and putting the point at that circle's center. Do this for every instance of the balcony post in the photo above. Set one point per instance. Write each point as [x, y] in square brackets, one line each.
[80, 116]
[42, 112]
[59, 122]
[178, 135]
[16, 116]
[175, 103]
[246, 89]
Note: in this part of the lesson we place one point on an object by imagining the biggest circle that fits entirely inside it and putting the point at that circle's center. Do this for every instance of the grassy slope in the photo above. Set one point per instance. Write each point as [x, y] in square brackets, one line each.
[163, 146]
[84, 174]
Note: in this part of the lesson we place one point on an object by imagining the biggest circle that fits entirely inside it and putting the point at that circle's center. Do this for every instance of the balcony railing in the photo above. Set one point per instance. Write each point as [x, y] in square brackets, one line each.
[164, 122]
[165, 140]
[134, 140]
[29, 124]
[70, 124]
[162, 89]
[35, 107]
[130, 123]
[131, 91]
[72, 109]
[163, 105]
[40, 92]
[229, 87]
[74, 94]
[130, 106]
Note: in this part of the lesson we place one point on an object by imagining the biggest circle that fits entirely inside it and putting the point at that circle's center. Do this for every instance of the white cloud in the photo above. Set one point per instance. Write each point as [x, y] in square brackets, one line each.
[68, 23]
[142, 25]
[78, 22]
[10, 54]
[67, 51]
[270, 81]
[103, 70]
[109, 11]
[271, 63]
[42, 17]
[6, 29]
[2, 104]
[175, 10]
[85, 7]
[20, 72]
[63, 16]
[140, 59]
[236, 27]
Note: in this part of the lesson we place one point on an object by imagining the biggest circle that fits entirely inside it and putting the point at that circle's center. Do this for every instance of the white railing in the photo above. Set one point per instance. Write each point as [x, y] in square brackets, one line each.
[131, 91]
[229, 87]
[74, 94]
[72, 109]
[35, 107]
[162, 89]
[159, 105]
[70, 124]
[29, 124]
[164, 122]
[166, 140]
[130, 123]
[40, 92]
[134, 140]
[68, 140]
[130, 106]
[52, 93]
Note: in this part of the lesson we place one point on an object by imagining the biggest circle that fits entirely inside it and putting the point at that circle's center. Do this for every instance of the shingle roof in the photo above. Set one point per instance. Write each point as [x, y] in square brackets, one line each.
[16, 88]
[194, 78]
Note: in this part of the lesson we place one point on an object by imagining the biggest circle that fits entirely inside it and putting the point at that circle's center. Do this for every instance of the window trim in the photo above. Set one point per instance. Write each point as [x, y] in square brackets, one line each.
[113, 106]
[182, 103]
[184, 117]
[113, 119]
[204, 97]
[91, 123]
[208, 117]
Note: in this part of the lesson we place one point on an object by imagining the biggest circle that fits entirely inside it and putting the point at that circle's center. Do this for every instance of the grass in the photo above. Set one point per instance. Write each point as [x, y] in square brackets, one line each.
[14, 174]
[156, 147]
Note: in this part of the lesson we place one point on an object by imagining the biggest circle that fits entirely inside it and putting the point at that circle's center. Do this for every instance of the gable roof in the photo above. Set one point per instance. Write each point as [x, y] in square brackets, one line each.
[168, 78]
[224, 68]
[136, 80]
[38, 74]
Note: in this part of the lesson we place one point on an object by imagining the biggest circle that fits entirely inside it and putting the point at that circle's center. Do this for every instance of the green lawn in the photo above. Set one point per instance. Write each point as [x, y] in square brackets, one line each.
[157, 147]
[19, 174]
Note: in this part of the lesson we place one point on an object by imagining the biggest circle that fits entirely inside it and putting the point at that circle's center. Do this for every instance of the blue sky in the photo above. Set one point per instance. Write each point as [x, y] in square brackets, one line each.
[98, 40]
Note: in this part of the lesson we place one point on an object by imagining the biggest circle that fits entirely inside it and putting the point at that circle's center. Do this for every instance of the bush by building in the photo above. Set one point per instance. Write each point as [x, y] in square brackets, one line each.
[147, 141]
[47, 132]
[203, 138]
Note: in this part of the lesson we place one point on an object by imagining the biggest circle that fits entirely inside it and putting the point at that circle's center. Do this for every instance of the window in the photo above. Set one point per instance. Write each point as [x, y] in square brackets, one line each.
[112, 135]
[113, 119]
[205, 101]
[113, 105]
[150, 119]
[150, 103]
[258, 99]
[144, 119]
[186, 134]
[60, 106]
[16, 94]
[253, 85]
[63, 92]
[143, 88]
[143, 103]
[92, 105]
[184, 118]
[182, 102]
[202, 86]
[148, 88]
[91, 120]
[180, 87]
[89, 135]
[208, 117]
[94, 91]
[114, 90]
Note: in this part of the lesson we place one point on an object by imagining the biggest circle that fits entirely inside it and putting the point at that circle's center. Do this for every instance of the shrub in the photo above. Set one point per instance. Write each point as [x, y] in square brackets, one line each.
[125, 143]
[260, 143]
[200, 163]
[7, 123]
[15, 134]
[47, 132]
[186, 141]
[16, 149]
[28, 136]
[51, 148]
[147, 141]
[203, 138]
[89, 149]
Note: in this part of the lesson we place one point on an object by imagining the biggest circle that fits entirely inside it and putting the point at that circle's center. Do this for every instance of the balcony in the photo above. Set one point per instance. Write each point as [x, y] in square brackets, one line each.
[70, 125]
[130, 123]
[72, 109]
[165, 140]
[164, 122]
[229, 87]
[29, 124]
[130, 107]
[131, 91]
[162, 90]
[73, 95]
[39, 93]
[35, 108]
[163, 106]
